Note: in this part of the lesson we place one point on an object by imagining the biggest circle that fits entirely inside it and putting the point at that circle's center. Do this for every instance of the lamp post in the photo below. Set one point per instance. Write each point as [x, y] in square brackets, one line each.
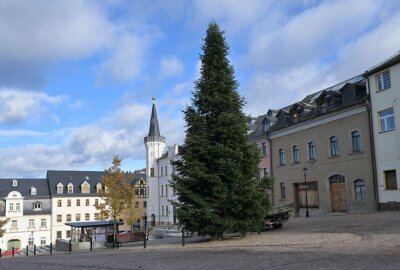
[305, 186]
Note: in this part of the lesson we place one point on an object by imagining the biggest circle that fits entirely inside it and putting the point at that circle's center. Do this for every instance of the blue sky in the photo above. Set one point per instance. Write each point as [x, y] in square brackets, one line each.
[77, 77]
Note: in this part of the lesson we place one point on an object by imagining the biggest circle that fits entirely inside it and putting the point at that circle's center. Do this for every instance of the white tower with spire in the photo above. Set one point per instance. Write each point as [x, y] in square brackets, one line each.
[155, 144]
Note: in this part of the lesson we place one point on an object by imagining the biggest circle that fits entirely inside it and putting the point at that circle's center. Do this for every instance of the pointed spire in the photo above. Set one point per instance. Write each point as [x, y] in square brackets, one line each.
[154, 130]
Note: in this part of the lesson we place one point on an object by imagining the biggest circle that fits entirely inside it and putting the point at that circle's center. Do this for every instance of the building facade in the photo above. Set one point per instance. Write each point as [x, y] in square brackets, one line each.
[384, 89]
[324, 140]
[26, 203]
[160, 211]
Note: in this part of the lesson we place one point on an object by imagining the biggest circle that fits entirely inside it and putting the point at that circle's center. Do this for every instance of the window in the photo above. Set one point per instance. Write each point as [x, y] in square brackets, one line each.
[42, 241]
[136, 204]
[31, 223]
[87, 202]
[59, 218]
[70, 188]
[166, 210]
[96, 216]
[166, 190]
[17, 207]
[359, 189]
[333, 142]
[14, 224]
[383, 80]
[144, 204]
[33, 191]
[162, 190]
[295, 149]
[96, 202]
[151, 171]
[87, 216]
[68, 217]
[59, 188]
[390, 180]
[85, 188]
[37, 206]
[59, 234]
[386, 120]
[355, 141]
[68, 202]
[162, 171]
[78, 217]
[283, 191]
[11, 207]
[68, 234]
[78, 202]
[162, 210]
[264, 149]
[43, 222]
[59, 203]
[136, 191]
[98, 187]
[266, 126]
[14, 183]
[281, 157]
[312, 153]
[166, 170]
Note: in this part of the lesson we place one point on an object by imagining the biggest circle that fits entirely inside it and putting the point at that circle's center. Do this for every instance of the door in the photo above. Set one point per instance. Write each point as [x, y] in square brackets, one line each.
[13, 243]
[153, 220]
[338, 193]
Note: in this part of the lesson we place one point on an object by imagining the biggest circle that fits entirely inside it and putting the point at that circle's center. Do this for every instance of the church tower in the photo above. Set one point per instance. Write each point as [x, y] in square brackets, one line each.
[155, 144]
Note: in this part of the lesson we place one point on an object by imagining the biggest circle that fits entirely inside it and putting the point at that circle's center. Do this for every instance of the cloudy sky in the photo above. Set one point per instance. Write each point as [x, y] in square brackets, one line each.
[77, 77]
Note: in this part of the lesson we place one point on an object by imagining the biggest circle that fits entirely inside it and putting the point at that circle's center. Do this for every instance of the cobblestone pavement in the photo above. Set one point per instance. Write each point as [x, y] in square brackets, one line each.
[353, 241]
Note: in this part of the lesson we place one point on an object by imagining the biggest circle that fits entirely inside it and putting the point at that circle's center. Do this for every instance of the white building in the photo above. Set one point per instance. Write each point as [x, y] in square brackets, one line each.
[160, 211]
[384, 89]
[26, 203]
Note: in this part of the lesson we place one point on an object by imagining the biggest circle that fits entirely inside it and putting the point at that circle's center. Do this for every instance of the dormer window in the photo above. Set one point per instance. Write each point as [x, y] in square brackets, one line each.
[14, 183]
[70, 188]
[98, 188]
[60, 188]
[33, 191]
[266, 125]
[85, 187]
[37, 206]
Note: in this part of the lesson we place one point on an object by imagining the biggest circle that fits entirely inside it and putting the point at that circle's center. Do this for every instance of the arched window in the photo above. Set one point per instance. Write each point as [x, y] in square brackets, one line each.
[356, 141]
[333, 142]
[337, 178]
[295, 149]
[312, 153]
[281, 157]
[359, 189]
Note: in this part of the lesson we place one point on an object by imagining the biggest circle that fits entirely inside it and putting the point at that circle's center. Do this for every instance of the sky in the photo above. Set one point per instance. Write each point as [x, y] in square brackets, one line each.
[77, 77]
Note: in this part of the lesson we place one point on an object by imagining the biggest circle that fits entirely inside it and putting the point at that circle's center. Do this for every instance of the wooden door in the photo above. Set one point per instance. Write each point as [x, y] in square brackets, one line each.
[338, 197]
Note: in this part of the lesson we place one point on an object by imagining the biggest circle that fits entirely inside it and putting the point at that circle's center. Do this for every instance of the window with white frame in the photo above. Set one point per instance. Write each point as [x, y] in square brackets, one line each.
[68, 203]
[43, 222]
[78, 217]
[87, 216]
[59, 203]
[31, 223]
[11, 207]
[333, 142]
[162, 210]
[295, 150]
[17, 207]
[68, 217]
[166, 210]
[14, 224]
[37, 206]
[42, 241]
[356, 141]
[312, 152]
[14, 183]
[166, 170]
[383, 80]
[359, 189]
[281, 157]
[70, 188]
[33, 191]
[87, 203]
[162, 190]
[162, 171]
[78, 202]
[59, 218]
[386, 120]
[96, 216]
[60, 188]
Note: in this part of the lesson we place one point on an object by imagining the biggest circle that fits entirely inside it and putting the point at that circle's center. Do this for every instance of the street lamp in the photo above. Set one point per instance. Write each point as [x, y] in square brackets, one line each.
[305, 186]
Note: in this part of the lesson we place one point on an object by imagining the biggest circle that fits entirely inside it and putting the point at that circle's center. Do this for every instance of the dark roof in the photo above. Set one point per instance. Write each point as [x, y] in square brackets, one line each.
[393, 60]
[154, 130]
[77, 178]
[24, 186]
[85, 224]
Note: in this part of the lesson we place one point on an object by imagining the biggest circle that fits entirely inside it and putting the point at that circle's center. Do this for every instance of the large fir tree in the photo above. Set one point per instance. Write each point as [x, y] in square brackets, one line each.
[215, 180]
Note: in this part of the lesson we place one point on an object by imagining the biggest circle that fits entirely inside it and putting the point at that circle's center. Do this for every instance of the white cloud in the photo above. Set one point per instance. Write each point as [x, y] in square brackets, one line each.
[170, 66]
[21, 133]
[18, 105]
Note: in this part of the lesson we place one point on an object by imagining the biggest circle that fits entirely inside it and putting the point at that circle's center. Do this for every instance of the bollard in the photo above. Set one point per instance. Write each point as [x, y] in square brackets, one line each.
[51, 248]
[27, 250]
[144, 240]
[91, 244]
[70, 246]
[13, 251]
[0, 252]
[183, 237]
[34, 250]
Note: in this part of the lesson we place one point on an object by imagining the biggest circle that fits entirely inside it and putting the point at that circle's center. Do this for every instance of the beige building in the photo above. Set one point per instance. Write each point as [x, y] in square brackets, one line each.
[328, 134]
[384, 90]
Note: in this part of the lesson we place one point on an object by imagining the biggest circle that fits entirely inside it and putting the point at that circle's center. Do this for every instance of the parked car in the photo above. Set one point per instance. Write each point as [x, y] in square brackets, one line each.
[9, 252]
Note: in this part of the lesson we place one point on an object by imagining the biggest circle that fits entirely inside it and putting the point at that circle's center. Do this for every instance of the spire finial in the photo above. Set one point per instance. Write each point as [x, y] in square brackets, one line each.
[154, 99]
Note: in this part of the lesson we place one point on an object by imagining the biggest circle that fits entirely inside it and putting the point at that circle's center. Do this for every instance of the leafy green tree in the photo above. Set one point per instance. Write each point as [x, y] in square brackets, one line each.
[2, 224]
[216, 181]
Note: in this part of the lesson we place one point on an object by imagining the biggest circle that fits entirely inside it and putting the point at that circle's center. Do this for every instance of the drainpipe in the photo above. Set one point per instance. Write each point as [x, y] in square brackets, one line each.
[372, 145]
